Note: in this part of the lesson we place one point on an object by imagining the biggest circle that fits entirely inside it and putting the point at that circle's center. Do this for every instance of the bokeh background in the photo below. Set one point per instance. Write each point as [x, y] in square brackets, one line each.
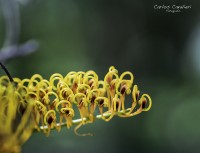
[161, 49]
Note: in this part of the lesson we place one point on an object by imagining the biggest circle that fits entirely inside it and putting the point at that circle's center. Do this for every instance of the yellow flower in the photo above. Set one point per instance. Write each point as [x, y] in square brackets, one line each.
[44, 105]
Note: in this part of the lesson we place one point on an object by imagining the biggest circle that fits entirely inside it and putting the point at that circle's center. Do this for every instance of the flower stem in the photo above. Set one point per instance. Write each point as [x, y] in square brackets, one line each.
[76, 121]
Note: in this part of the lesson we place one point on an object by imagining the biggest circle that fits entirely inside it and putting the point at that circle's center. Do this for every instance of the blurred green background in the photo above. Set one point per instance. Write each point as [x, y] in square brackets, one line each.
[161, 49]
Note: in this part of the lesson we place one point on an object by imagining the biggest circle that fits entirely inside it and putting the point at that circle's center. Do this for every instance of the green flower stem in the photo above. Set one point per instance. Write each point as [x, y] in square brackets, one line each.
[76, 121]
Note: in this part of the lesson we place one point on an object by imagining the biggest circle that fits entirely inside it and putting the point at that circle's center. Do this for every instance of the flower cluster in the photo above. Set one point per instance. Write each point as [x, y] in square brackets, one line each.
[57, 98]
[50, 104]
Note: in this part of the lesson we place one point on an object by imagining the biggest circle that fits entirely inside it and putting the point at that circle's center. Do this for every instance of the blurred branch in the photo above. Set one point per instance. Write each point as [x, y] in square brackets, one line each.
[10, 52]
[10, 12]
[11, 49]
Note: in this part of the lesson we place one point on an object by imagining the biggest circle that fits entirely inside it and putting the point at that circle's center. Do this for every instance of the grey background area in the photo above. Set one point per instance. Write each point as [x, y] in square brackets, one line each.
[161, 49]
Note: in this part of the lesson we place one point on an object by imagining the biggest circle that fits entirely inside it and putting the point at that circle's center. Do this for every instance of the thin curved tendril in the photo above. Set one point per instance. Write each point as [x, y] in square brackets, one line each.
[7, 73]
